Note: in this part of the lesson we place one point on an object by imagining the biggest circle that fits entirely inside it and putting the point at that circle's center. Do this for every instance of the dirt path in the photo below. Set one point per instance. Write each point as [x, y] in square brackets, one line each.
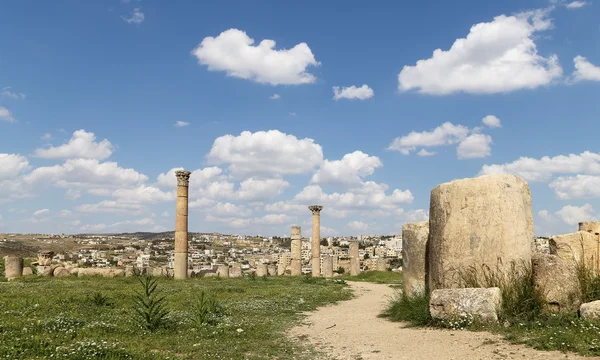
[359, 334]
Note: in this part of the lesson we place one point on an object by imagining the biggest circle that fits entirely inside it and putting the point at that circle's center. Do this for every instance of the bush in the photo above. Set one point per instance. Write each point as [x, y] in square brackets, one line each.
[207, 310]
[149, 308]
[589, 283]
[414, 309]
[99, 299]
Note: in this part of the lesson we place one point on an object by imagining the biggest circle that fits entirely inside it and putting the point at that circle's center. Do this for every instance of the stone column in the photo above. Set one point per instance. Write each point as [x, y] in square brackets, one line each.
[13, 267]
[328, 266]
[354, 258]
[261, 269]
[223, 271]
[381, 264]
[296, 250]
[414, 258]
[181, 224]
[316, 239]
[282, 264]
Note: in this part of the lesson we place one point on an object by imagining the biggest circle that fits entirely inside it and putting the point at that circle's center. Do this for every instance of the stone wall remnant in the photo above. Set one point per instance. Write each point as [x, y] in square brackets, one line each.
[414, 257]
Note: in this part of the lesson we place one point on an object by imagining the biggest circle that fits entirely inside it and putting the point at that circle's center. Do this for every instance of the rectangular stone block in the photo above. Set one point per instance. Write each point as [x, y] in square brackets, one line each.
[580, 247]
[483, 304]
[414, 257]
[556, 278]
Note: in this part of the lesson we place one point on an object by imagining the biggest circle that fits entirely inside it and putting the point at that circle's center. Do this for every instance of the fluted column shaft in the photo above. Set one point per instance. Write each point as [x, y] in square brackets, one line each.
[296, 248]
[316, 240]
[181, 225]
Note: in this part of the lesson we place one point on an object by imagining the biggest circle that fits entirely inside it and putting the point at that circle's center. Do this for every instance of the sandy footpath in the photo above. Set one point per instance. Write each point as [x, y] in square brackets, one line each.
[359, 334]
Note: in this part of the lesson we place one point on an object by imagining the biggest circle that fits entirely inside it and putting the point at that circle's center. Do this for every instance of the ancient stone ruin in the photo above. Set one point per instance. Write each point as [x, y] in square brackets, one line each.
[296, 247]
[316, 239]
[354, 258]
[414, 259]
[181, 224]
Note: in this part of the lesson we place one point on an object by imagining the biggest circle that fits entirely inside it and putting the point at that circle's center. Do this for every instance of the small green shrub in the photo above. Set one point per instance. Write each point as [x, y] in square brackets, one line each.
[589, 283]
[414, 309]
[149, 309]
[207, 310]
[99, 299]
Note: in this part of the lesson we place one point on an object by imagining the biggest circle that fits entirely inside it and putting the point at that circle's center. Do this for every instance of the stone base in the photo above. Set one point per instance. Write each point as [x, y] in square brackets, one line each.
[181, 265]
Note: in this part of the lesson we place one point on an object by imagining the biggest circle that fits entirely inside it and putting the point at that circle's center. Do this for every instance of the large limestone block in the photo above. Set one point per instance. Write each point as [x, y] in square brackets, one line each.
[223, 271]
[590, 310]
[580, 247]
[27, 271]
[272, 270]
[261, 269]
[590, 226]
[485, 221]
[13, 267]
[557, 280]
[235, 271]
[61, 272]
[483, 304]
[414, 257]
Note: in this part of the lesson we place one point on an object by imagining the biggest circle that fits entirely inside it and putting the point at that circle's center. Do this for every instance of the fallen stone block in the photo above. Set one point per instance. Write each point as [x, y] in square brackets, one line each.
[580, 247]
[61, 272]
[590, 311]
[482, 304]
[556, 278]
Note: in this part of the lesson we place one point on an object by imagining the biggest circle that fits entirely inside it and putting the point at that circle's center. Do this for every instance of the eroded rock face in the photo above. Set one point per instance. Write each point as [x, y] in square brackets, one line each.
[414, 246]
[590, 311]
[556, 278]
[483, 304]
[580, 247]
[480, 222]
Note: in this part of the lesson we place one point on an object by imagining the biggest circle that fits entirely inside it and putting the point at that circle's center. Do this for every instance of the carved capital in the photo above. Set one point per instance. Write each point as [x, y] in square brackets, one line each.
[316, 209]
[183, 177]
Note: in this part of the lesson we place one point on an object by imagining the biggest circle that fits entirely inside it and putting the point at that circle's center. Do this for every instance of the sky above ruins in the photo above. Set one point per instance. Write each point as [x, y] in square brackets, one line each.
[275, 106]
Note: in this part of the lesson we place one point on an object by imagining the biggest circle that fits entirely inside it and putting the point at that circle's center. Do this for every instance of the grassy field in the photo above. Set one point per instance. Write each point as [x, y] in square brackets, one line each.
[378, 277]
[81, 318]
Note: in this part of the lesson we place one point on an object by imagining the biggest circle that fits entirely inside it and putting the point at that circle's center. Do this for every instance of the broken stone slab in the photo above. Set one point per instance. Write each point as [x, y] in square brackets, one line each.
[481, 222]
[482, 304]
[557, 280]
[590, 311]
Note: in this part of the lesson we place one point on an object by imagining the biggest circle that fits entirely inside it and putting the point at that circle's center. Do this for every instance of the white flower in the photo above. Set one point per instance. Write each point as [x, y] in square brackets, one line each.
[240, 330]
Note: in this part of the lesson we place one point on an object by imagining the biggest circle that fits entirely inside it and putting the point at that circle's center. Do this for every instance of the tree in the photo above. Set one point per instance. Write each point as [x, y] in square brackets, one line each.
[324, 242]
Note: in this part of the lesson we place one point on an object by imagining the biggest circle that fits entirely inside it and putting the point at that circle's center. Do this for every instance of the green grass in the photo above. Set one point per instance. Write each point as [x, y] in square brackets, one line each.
[378, 277]
[81, 318]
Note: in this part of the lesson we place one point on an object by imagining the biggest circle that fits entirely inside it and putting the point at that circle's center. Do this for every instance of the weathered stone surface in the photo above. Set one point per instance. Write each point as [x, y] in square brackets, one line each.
[316, 239]
[580, 247]
[557, 280]
[328, 266]
[590, 226]
[27, 271]
[61, 272]
[46, 270]
[381, 264]
[104, 272]
[261, 269]
[354, 258]
[129, 271]
[272, 270]
[181, 224]
[485, 221]
[235, 271]
[480, 303]
[223, 271]
[590, 311]
[414, 257]
[13, 267]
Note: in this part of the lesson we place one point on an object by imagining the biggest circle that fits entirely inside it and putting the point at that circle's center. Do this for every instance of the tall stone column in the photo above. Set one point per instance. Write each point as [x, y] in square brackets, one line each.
[316, 239]
[296, 236]
[181, 225]
[354, 258]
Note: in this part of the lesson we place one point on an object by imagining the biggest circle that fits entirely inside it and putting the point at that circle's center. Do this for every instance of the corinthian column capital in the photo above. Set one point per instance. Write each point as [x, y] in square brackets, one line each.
[316, 209]
[183, 177]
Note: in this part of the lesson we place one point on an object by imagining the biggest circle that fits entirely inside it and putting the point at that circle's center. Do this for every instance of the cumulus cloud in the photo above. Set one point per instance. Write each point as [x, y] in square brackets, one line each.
[475, 146]
[41, 212]
[445, 134]
[585, 70]
[369, 195]
[260, 189]
[352, 92]
[572, 215]
[358, 225]
[198, 178]
[491, 121]
[73, 194]
[233, 52]
[81, 145]
[424, 153]
[12, 165]
[351, 169]
[576, 4]
[579, 186]
[136, 17]
[110, 206]
[181, 123]
[266, 153]
[5, 115]
[7, 92]
[543, 169]
[496, 57]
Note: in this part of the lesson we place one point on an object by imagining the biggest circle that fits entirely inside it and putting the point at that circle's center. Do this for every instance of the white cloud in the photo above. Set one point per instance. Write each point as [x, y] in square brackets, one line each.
[358, 225]
[424, 152]
[491, 121]
[368, 195]
[110, 206]
[46, 136]
[576, 4]
[93, 228]
[143, 194]
[73, 194]
[475, 146]
[572, 215]
[260, 189]
[65, 213]
[274, 219]
[579, 186]
[275, 97]
[81, 145]
[7, 92]
[181, 123]
[585, 70]
[6, 115]
[232, 51]
[445, 134]
[495, 57]
[12, 165]
[351, 169]
[543, 169]
[229, 209]
[286, 207]
[266, 153]
[137, 17]
[41, 212]
[198, 178]
[352, 92]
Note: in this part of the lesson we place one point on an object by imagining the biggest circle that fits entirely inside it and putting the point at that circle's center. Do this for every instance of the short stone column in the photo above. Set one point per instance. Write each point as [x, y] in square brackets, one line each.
[261, 269]
[327, 266]
[272, 270]
[414, 257]
[181, 224]
[282, 264]
[354, 258]
[235, 271]
[223, 271]
[316, 239]
[296, 246]
[13, 267]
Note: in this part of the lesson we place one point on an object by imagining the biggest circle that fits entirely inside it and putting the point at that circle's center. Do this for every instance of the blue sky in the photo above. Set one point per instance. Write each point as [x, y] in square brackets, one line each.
[350, 107]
